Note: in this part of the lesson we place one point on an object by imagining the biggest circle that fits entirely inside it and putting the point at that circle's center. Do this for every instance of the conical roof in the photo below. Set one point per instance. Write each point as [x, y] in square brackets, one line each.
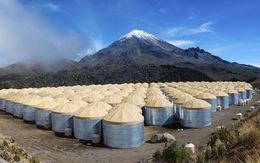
[231, 91]
[135, 100]
[66, 108]
[112, 99]
[94, 97]
[32, 101]
[61, 100]
[47, 105]
[183, 99]
[196, 104]
[74, 97]
[90, 113]
[158, 103]
[78, 102]
[123, 117]
[206, 96]
[101, 105]
[220, 94]
[126, 106]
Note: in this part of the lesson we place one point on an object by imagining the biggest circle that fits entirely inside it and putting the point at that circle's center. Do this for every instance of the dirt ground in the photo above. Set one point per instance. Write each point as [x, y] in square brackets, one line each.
[53, 148]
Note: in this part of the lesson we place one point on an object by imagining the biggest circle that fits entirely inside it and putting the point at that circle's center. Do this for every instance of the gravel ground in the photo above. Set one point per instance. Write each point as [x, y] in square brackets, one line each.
[53, 148]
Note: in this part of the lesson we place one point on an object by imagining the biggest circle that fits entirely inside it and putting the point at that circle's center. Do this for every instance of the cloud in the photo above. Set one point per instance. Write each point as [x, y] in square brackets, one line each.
[181, 43]
[53, 6]
[178, 31]
[25, 34]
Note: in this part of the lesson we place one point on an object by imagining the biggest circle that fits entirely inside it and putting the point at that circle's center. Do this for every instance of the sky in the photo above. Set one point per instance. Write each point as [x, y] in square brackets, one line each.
[46, 29]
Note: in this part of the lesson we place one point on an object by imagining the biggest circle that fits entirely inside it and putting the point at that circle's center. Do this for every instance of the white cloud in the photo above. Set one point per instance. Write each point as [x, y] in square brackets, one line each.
[25, 34]
[178, 31]
[53, 6]
[181, 43]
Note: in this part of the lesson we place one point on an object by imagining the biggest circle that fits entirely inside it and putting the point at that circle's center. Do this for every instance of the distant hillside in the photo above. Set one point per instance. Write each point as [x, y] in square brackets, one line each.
[141, 48]
[28, 68]
[111, 74]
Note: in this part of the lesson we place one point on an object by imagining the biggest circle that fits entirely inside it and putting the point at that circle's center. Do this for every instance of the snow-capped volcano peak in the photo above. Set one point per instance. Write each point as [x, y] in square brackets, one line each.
[139, 34]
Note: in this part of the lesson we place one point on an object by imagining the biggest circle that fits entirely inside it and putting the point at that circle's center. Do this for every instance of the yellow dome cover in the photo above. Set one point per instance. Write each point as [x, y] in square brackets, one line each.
[66, 108]
[220, 94]
[240, 90]
[74, 97]
[126, 106]
[176, 94]
[61, 100]
[94, 98]
[78, 102]
[112, 99]
[101, 105]
[158, 103]
[154, 97]
[47, 105]
[231, 91]
[206, 96]
[124, 117]
[90, 112]
[32, 101]
[183, 99]
[196, 104]
[135, 100]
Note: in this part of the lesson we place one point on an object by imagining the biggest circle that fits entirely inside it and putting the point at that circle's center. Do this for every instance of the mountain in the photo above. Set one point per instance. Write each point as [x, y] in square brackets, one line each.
[31, 67]
[141, 48]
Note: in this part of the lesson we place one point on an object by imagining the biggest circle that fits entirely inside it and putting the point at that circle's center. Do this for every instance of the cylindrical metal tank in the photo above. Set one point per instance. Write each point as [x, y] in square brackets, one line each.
[29, 108]
[62, 117]
[249, 92]
[210, 98]
[43, 112]
[123, 129]
[233, 96]
[87, 122]
[137, 101]
[177, 105]
[241, 93]
[158, 111]
[196, 114]
[222, 99]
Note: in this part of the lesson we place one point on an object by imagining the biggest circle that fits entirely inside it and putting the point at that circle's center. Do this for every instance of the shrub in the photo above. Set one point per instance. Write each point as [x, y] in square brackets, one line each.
[251, 139]
[225, 136]
[16, 157]
[175, 154]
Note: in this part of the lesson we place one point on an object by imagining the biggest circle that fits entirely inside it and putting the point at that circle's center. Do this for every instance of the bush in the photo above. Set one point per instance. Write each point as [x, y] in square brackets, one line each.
[225, 136]
[16, 157]
[175, 154]
[251, 139]
[222, 151]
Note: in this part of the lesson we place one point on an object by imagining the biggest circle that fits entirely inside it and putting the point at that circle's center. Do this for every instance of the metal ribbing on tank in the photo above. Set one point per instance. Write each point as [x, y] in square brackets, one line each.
[2, 104]
[158, 116]
[233, 99]
[29, 113]
[123, 136]
[9, 106]
[196, 118]
[249, 94]
[61, 121]
[213, 103]
[84, 129]
[42, 116]
[177, 112]
[18, 108]
[241, 95]
[223, 102]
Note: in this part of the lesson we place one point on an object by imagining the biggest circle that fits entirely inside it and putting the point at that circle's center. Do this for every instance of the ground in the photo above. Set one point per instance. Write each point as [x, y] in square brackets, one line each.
[53, 148]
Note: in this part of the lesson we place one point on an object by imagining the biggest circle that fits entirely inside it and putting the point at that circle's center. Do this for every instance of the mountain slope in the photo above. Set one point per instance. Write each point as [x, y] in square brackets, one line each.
[141, 48]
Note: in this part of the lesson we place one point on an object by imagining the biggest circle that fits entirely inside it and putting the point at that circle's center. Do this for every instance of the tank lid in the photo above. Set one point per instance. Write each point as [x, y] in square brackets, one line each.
[79, 102]
[183, 99]
[94, 97]
[231, 91]
[135, 100]
[66, 108]
[206, 96]
[220, 94]
[158, 103]
[124, 117]
[47, 105]
[196, 104]
[61, 100]
[112, 99]
[101, 105]
[90, 113]
[129, 106]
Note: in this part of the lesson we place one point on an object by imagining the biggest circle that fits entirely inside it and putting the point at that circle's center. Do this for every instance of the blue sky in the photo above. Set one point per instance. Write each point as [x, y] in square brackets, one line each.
[75, 28]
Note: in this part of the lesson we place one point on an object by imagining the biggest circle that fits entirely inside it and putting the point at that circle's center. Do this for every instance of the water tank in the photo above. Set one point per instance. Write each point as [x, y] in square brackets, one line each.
[87, 121]
[210, 98]
[177, 105]
[249, 92]
[233, 96]
[62, 117]
[29, 108]
[123, 129]
[158, 111]
[43, 112]
[222, 99]
[196, 114]
[113, 99]
[241, 93]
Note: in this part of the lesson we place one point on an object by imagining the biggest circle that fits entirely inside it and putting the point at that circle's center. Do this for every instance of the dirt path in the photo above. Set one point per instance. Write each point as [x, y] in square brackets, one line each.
[50, 148]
